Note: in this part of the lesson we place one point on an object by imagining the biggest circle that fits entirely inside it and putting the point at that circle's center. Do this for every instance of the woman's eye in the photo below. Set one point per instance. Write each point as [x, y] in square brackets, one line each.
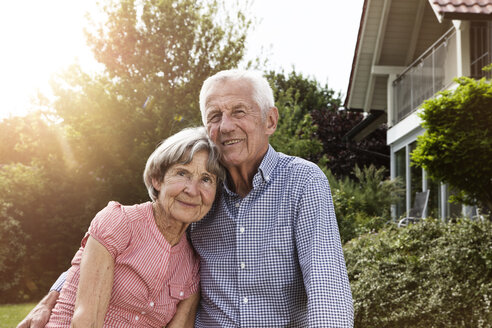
[181, 173]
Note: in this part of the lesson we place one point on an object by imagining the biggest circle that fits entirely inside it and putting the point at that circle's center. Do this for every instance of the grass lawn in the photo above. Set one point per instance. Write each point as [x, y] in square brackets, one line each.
[12, 314]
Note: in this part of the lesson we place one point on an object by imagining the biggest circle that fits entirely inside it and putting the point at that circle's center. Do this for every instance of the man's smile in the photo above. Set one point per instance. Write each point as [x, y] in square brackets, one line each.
[232, 142]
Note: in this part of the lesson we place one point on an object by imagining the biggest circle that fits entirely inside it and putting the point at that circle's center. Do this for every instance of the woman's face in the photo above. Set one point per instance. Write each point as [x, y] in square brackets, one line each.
[188, 190]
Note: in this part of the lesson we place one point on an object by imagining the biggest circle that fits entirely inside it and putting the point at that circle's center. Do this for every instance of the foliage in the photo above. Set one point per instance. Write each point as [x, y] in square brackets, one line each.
[298, 96]
[363, 205]
[166, 49]
[430, 274]
[58, 168]
[49, 217]
[157, 53]
[295, 130]
[309, 93]
[343, 155]
[456, 147]
[12, 249]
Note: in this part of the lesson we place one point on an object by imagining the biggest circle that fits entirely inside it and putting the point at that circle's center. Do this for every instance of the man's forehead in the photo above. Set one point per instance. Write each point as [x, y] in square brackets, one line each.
[227, 103]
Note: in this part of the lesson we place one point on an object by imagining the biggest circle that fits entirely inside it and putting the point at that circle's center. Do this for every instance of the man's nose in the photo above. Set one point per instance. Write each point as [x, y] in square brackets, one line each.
[226, 124]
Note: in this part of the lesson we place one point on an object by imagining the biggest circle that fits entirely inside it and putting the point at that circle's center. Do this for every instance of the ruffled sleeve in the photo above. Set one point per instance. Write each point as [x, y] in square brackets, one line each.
[110, 228]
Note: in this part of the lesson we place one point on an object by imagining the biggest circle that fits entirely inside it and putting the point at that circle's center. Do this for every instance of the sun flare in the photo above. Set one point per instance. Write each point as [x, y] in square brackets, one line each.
[39, 38]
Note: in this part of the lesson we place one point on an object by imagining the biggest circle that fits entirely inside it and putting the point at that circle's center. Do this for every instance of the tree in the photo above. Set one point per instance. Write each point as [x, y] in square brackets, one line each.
[156, 56]
[295, 134]
[308, 92]
[341, 156]
[312, 126]
[61, 167]
[456, 147]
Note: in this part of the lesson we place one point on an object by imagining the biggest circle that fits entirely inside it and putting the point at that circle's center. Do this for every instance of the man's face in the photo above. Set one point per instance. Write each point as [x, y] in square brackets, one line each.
[234, 123]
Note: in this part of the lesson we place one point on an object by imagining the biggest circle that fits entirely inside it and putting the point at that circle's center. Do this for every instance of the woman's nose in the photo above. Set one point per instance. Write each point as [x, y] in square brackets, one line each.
[192, 187]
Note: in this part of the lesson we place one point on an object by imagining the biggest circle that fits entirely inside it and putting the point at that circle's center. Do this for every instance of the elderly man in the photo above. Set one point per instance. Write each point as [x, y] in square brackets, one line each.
[270, 248]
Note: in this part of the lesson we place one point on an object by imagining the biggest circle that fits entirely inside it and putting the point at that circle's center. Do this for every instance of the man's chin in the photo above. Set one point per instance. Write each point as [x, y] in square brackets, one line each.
[231, 161]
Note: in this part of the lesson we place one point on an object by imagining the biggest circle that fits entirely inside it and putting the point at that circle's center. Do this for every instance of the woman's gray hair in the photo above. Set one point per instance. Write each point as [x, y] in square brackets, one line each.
[180, 148]
[262, 91]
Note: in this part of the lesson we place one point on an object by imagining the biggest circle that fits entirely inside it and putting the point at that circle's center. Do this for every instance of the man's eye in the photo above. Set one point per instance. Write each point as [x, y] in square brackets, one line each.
[181, 173]
[214, 118]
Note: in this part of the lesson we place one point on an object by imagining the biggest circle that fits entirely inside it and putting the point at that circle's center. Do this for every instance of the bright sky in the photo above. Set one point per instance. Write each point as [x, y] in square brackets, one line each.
[40, 38]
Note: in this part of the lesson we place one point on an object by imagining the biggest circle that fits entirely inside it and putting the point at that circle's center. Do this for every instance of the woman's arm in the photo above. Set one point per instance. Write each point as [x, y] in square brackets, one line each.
[95, 284]
[185, 313]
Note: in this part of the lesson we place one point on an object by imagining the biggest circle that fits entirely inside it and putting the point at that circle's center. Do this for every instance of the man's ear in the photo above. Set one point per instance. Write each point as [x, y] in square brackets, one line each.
[271, 120]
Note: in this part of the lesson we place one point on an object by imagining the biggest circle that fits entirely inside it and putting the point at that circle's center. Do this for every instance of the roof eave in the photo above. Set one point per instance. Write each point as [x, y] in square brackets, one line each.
[354, 60]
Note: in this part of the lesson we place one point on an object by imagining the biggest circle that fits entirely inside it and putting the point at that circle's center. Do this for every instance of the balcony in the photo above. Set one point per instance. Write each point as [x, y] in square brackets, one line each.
[433, 71]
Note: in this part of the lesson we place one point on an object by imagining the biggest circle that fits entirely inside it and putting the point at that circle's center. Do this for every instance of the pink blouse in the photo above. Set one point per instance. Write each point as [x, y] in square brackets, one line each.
[150, 276]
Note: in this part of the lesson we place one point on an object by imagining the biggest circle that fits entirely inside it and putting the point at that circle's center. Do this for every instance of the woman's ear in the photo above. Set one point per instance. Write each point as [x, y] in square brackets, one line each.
[156, 184]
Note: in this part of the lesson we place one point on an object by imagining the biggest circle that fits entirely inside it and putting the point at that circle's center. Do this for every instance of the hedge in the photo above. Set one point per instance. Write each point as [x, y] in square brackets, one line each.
[430, 274]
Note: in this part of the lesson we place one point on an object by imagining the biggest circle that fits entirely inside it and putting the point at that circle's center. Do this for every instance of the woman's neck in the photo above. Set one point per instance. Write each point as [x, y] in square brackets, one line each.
[171, 230]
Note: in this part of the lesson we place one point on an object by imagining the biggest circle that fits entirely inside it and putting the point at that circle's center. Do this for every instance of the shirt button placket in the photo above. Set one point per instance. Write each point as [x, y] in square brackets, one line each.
[242, 254]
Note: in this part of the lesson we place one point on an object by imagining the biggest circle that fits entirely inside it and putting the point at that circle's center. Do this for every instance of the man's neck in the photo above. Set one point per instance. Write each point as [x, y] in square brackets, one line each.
[241, 181]
[240, 177]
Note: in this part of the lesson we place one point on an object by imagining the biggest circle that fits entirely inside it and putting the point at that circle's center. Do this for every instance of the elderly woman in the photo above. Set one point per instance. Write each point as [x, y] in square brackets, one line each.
[136, 267]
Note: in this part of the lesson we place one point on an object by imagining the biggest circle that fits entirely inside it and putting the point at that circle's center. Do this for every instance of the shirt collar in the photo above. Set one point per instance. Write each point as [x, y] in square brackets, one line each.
[265, 170]
[268, 164]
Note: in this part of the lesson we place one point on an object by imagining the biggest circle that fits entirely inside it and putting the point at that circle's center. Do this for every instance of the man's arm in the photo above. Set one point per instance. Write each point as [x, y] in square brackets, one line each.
[39, 316]
[95, 285]
[185, 313]
[321, 258]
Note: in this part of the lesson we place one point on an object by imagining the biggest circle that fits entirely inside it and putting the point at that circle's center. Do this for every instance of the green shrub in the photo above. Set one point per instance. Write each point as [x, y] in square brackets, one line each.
[430, 274]
[12, 249]
[363, 205]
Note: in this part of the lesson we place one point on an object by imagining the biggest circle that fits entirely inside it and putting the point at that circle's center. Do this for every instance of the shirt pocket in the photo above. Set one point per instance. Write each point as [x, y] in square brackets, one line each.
[282, 255]
[179, 291]
[282, 241]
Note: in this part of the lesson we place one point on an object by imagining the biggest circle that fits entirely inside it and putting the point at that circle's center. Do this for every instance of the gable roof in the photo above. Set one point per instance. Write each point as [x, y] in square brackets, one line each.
[404, 18]
[462, 9]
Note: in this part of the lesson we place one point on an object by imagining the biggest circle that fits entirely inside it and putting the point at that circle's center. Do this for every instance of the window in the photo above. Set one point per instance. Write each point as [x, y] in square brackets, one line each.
[480, 48]
[400, 168]
[415, 176]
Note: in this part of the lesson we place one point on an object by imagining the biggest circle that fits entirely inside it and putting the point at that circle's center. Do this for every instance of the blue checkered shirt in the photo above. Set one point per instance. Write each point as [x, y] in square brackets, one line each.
[273, 258]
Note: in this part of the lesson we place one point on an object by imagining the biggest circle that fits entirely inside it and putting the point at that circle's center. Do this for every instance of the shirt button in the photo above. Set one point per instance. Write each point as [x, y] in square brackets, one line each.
[243, 265]
[241, 230]
[237, 204]
[136, 318]
[245, 300]
[181, 293]
[151, 304]
[143, 312]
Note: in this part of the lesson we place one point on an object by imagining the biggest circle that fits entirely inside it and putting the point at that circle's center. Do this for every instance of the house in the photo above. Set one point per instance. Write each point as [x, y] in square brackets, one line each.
[407, 51]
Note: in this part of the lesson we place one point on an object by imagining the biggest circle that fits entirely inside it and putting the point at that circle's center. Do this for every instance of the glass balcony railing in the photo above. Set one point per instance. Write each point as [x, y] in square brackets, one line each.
[430, 73]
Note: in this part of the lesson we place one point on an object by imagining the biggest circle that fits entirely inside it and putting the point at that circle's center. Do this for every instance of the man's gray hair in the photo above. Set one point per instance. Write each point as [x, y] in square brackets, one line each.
[180, 148]
[262, 91]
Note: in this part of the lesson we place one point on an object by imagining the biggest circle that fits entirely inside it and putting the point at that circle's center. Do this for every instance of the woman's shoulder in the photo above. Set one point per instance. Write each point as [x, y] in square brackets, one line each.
[130, 213]
[137, 212]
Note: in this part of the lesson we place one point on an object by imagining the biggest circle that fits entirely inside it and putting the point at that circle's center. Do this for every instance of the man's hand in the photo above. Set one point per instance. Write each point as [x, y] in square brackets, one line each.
[39, 316]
